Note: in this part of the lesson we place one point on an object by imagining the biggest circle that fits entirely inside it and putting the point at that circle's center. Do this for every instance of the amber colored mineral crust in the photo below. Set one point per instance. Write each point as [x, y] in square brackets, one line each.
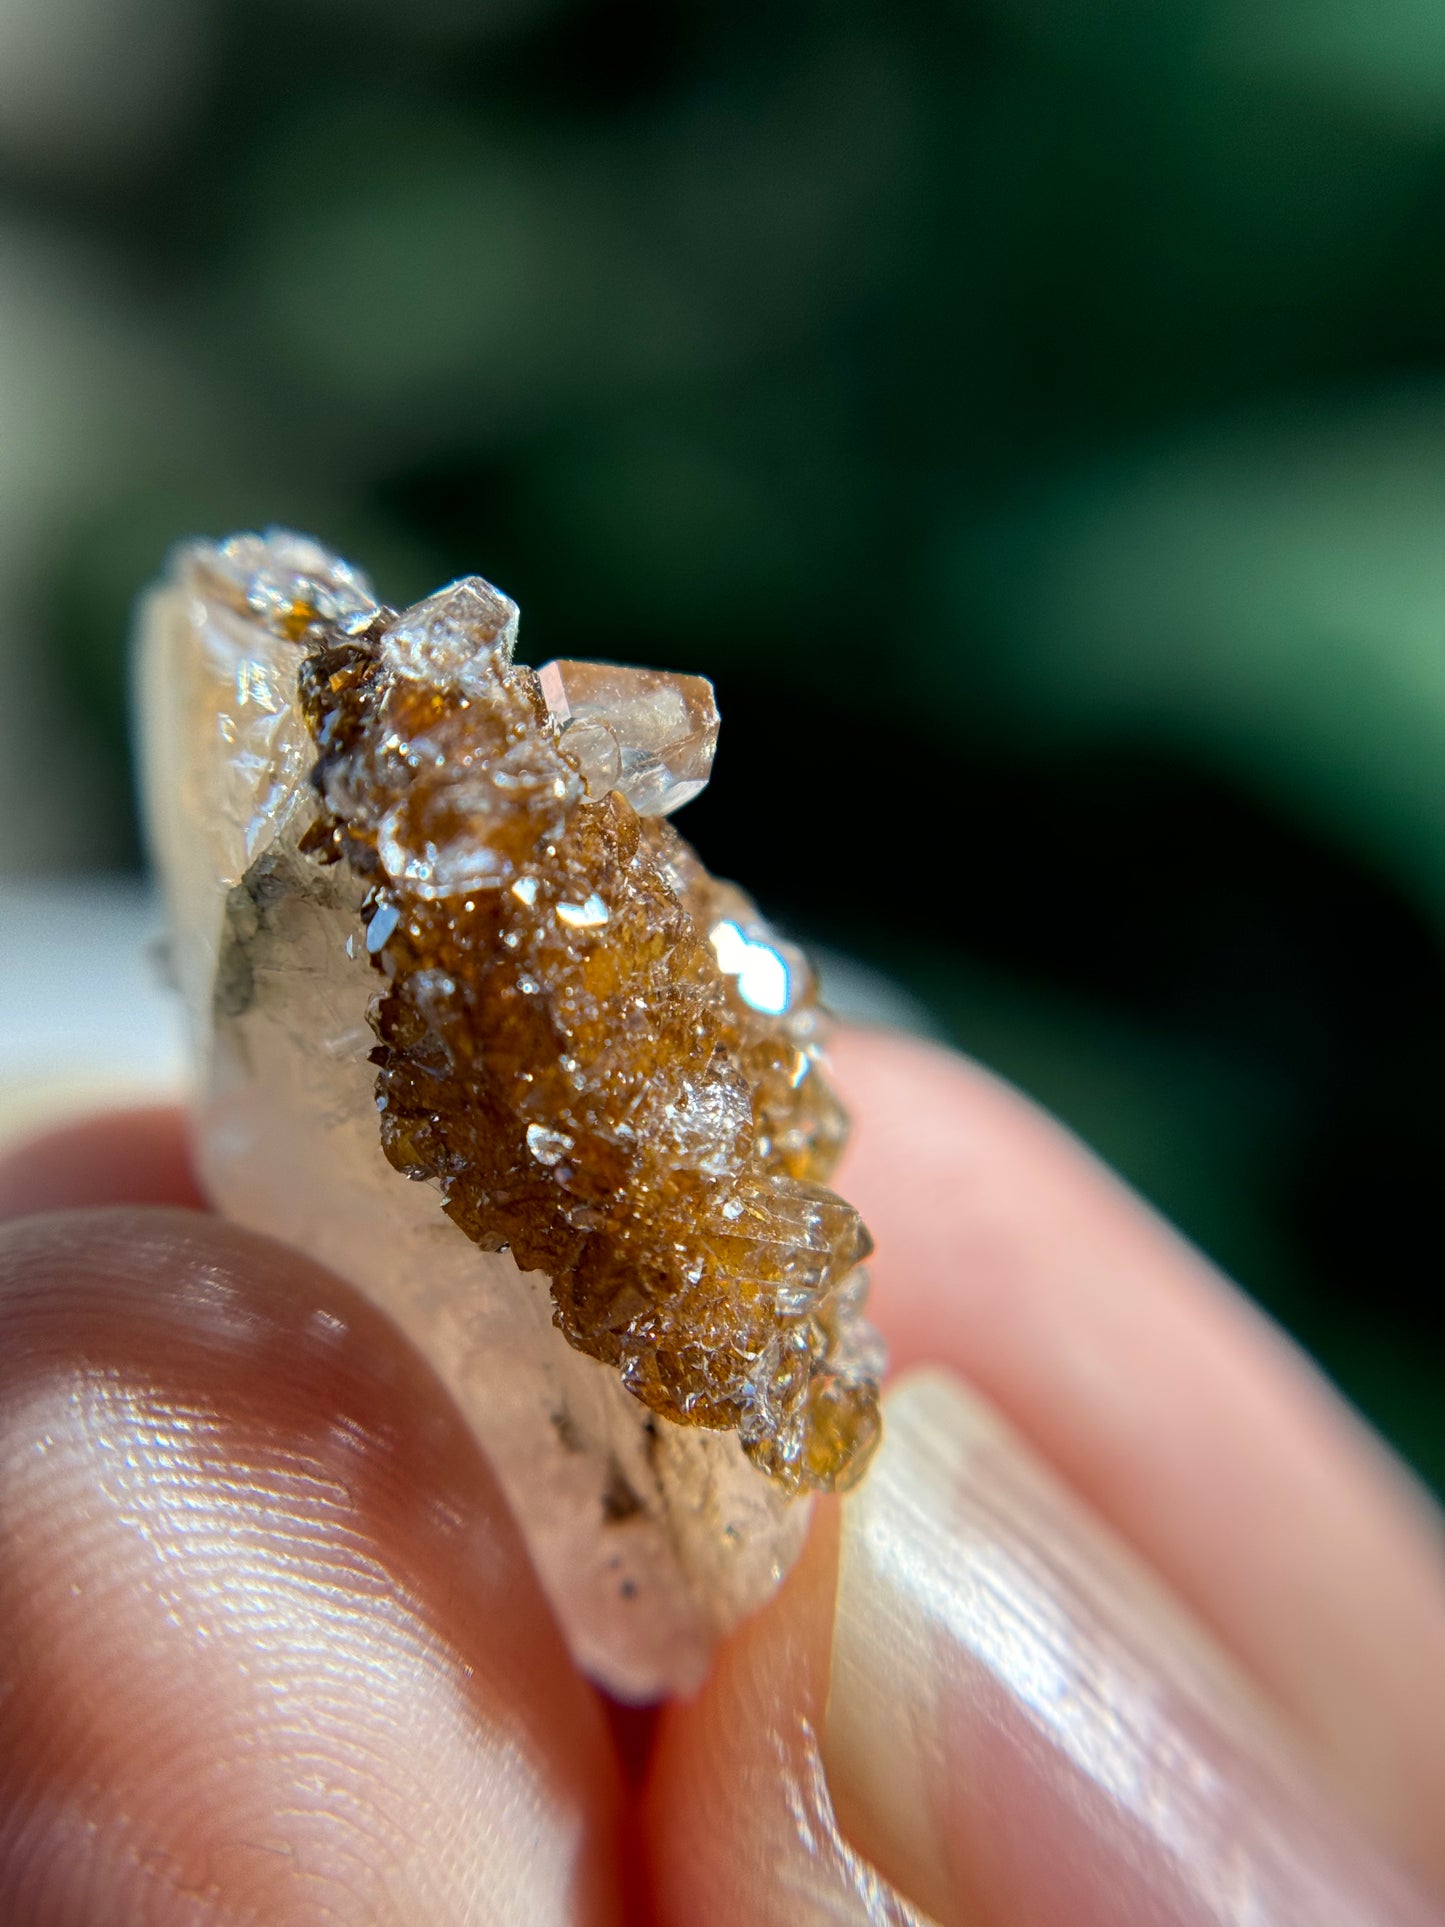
[597, 1051]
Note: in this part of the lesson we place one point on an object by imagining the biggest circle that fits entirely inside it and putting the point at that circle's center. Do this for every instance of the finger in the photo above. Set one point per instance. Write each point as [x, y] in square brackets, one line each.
[270, 1648]
[138, 1156]
[1174, 1409]
[1018, 1726]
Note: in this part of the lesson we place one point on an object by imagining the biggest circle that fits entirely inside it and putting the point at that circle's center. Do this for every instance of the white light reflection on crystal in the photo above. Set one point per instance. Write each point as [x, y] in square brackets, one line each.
[382, 925]
[583, 916]
[764, 980]
[547, 1146]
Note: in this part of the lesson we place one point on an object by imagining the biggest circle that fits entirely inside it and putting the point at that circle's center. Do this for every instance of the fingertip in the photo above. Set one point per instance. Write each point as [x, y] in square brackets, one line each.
[1178, 1412]
[135, 1156]
[1006, 1673]
[739, 1824]
[268, 1634]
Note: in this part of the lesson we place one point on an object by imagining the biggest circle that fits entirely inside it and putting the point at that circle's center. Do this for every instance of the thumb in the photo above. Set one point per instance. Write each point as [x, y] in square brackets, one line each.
[270, 1648]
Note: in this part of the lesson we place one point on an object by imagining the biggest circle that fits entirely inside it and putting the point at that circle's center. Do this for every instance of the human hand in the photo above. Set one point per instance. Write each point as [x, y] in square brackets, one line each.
[270, 1650]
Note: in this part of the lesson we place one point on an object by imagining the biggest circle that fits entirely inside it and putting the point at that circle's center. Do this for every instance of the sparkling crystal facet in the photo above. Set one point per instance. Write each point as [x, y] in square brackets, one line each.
[286, 580]
[645, 733]
[457, 635]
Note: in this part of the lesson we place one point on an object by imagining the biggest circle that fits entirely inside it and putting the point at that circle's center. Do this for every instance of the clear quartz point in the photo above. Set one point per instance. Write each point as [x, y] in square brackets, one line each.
[454, 635]
[645, 733]
[651, 1538]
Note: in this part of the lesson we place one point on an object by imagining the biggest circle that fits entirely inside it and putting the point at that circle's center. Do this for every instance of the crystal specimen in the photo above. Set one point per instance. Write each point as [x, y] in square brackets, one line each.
[647, 736]
[410, 918]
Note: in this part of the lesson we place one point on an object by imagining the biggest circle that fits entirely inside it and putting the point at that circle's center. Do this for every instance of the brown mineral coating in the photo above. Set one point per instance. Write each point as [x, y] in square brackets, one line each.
[560, 1050]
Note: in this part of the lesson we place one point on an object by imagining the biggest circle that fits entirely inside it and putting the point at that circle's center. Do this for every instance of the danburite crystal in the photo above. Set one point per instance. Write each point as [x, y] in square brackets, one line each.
[646, 735]
[404, 921]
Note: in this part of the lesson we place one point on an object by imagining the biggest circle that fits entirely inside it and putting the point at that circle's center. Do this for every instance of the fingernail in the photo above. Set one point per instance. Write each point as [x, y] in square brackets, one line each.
[1023, 1724]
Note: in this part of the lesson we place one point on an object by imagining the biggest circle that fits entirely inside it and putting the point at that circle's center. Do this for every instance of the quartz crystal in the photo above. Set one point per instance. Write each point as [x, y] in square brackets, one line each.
[638, 732]
[425, 927]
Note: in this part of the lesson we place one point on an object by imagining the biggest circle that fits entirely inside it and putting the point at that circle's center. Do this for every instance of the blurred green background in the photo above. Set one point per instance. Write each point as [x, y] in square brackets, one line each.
[1031, 413]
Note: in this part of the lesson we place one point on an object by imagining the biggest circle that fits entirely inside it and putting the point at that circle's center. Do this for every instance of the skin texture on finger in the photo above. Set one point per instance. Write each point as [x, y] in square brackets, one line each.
[738, 1819]
[1010, 1720]
[1005, 1673]
[136, 1156]
[1182, 1416]
[270, 1647]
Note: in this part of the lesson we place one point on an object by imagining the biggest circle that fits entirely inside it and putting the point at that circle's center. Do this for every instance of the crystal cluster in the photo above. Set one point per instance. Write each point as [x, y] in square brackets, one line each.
[601, 1058]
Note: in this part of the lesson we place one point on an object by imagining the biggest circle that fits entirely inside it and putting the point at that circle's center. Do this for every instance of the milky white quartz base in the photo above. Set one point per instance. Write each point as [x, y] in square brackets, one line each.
[650, 1539]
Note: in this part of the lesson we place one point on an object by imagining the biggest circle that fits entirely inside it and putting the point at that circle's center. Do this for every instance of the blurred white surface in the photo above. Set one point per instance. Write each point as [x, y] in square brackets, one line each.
[85, 1014]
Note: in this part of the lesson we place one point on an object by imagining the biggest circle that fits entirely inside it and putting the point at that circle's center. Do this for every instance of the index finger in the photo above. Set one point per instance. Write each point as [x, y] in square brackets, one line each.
[1176, 1410]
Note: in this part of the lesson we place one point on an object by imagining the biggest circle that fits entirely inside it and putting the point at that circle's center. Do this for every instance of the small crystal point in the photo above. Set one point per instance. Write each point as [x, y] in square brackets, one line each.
[288, 581]
[645, 733]
[463, 630]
